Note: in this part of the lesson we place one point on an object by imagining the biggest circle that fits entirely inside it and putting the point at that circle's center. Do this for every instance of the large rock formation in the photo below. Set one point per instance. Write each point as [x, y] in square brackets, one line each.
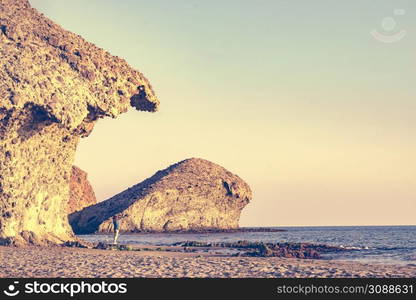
[193, 194]
[81, 192]
[54, 85]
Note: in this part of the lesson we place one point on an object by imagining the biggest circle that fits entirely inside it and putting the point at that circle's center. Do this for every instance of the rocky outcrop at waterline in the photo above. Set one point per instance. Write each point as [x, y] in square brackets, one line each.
[81, 192]
[54, 86]
[239, 248]
[260, 249]
[194, 194]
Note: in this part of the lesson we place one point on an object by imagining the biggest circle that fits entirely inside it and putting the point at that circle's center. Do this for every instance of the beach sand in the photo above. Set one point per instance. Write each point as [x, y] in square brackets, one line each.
[86, 263]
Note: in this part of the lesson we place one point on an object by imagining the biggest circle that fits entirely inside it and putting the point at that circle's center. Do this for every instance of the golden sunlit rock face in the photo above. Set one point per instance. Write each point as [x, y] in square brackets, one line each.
[194, 194]
[54, 86]
[81, 191]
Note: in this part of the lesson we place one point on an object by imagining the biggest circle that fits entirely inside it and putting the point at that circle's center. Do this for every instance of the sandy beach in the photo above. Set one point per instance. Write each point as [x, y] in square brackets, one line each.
[89, 263]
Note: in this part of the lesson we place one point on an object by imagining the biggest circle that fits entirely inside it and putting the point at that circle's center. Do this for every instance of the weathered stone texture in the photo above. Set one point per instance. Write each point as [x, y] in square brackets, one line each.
[54, 85]
[194, 194]
[81, 191]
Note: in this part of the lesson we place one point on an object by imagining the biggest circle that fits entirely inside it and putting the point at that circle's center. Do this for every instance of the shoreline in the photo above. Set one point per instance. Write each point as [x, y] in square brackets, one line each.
[194, 231]
[37, 262]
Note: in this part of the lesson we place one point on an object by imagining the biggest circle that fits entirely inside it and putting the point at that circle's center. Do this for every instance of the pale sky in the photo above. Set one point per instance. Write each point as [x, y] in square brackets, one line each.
[298, 98]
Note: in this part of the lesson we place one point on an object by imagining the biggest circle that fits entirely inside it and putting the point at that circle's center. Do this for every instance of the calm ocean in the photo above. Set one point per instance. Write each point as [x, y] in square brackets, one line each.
[383, 244]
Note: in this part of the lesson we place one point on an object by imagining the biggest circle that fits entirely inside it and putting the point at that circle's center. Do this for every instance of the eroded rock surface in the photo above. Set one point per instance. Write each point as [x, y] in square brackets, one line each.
[190, 195]
[81, 192]
[54, 85]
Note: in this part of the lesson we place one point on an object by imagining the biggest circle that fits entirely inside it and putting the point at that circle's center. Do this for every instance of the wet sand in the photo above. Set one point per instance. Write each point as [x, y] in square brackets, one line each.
[86, 263]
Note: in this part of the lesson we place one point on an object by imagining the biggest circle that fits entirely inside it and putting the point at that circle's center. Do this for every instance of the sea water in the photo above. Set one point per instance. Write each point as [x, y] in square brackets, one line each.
[369, 244]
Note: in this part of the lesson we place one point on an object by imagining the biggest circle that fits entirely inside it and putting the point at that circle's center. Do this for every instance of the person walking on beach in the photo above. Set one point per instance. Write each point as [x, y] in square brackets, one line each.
[116, 225]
